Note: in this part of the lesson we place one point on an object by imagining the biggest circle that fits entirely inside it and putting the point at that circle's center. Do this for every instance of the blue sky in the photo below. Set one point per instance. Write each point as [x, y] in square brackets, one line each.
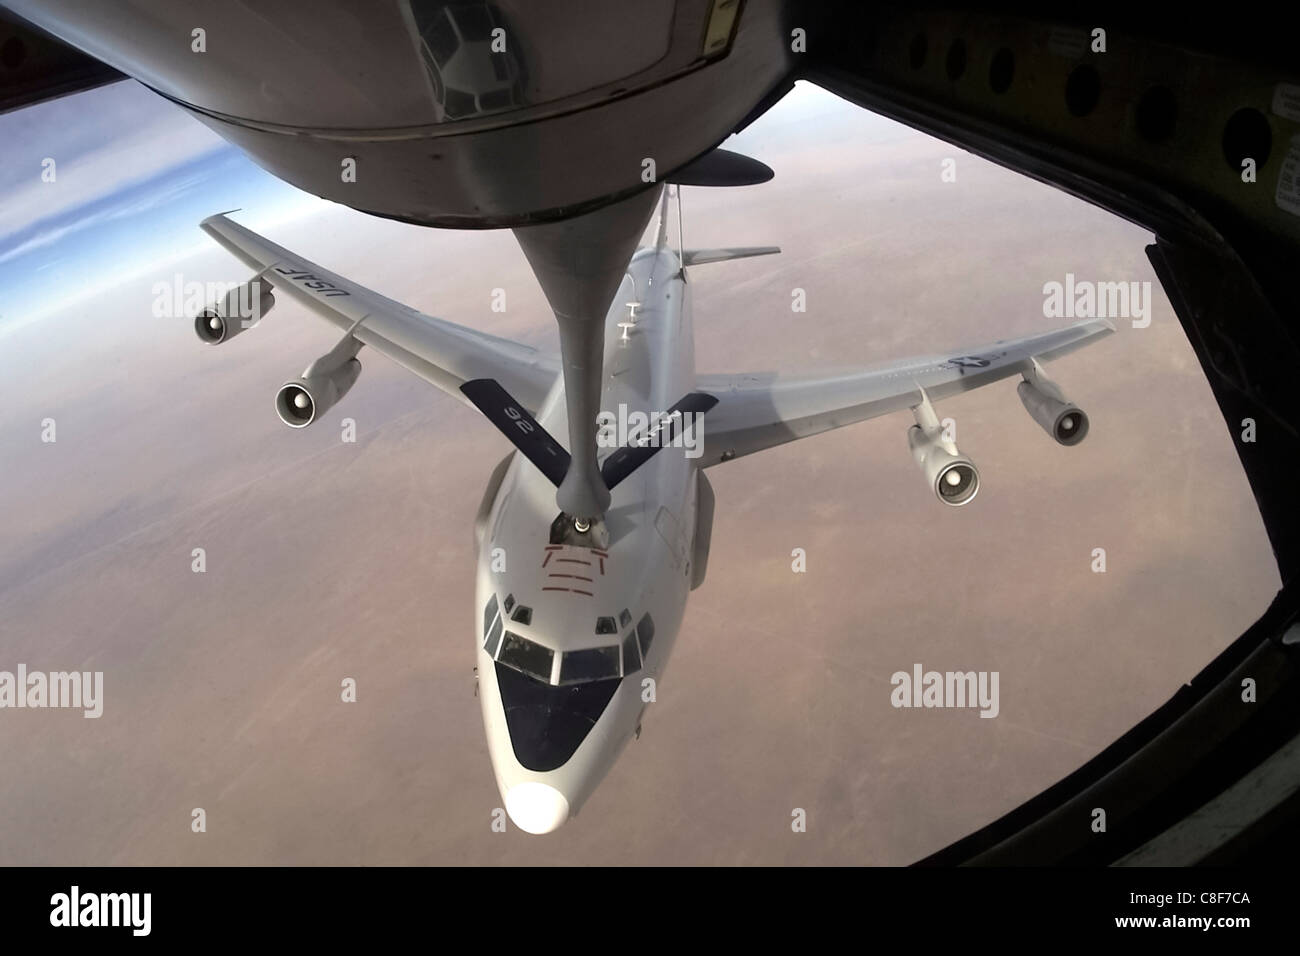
[134, 175]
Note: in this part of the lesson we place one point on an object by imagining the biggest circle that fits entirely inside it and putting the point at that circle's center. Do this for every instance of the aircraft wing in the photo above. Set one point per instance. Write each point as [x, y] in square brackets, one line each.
[759, 410]
[442, 353]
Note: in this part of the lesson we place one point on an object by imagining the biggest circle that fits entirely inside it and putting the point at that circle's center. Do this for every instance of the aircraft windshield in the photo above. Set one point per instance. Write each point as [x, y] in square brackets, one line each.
[576, 667]
[526, 657]
[596, 663]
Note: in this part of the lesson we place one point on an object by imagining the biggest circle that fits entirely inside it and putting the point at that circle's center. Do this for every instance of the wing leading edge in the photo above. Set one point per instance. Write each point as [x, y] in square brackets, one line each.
[442, 353]
[760, 410]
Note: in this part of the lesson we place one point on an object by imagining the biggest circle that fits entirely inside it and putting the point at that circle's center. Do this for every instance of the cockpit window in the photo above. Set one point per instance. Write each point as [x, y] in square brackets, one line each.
[526, 657]
[441, 39]
[522, 615]
[606, 625]
[490, 612]
[474, 22]
[510, 602]
[645, 630]
[596, 663]
[631, 654]
[493, 638]
[624, 618]
[460, 104]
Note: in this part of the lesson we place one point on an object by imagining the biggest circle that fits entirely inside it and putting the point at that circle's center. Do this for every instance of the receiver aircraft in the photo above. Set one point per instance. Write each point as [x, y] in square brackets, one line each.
[587, 553]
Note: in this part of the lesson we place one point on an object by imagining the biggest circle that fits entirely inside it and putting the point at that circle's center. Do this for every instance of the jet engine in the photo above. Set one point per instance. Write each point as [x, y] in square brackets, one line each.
[1056, 414]
[301, 400]
[950, 474]
[241, 309]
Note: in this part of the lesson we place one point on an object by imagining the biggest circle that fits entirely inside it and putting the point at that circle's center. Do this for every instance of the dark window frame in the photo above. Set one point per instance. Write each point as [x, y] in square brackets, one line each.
[518, 663]
[582, 655]
[645, 634]
[493, 642]
[631, 641]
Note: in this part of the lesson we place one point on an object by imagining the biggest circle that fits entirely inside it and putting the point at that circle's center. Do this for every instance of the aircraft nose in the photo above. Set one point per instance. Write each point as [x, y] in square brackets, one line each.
[536, 808]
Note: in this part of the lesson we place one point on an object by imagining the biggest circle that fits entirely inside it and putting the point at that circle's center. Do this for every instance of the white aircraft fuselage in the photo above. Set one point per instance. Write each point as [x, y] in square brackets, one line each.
[556, 719]
[585, 565]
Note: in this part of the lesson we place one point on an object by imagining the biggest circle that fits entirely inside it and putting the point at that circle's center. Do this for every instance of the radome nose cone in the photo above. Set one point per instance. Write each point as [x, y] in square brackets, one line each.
[536, 808]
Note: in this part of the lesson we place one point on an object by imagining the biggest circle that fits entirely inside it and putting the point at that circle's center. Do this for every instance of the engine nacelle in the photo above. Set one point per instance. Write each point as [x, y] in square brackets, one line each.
[951, 475]
[301, 401]
[241, 309]
[1055, 414]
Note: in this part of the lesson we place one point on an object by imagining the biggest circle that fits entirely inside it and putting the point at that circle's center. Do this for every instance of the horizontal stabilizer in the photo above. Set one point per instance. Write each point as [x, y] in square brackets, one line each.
[513, 421]
[660, 434]
[697, 257]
